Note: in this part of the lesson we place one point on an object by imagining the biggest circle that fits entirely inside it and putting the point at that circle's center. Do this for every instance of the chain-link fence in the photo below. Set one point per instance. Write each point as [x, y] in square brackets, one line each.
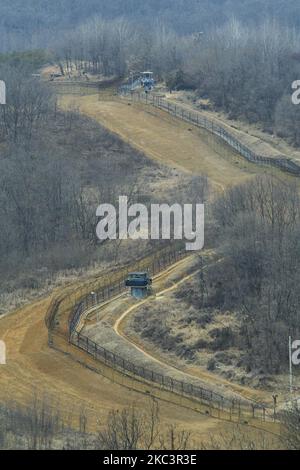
[242, 409]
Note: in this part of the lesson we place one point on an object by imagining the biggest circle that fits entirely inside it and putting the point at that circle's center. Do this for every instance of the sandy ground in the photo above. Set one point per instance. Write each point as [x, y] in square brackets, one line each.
[167, 139]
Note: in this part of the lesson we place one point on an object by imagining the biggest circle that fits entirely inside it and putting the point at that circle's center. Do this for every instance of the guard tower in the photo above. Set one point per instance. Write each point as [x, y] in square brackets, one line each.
[147, 81]
[140, 284]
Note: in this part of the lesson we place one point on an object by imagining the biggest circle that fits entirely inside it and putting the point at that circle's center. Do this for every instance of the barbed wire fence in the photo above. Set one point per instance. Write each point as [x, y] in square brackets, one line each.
[282, 162]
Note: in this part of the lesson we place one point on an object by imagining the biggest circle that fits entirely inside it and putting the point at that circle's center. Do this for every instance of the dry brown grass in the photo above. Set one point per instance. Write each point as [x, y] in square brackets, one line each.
[167, 139]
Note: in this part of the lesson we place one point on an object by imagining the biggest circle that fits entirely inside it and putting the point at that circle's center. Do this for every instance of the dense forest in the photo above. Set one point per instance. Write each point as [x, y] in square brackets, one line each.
[34, 23]
[247, 75]
[241, 55]
[48, 195]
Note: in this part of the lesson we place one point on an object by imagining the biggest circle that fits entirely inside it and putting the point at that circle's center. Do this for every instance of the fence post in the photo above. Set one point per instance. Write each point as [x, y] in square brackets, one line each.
[210, 406]
[233, 405]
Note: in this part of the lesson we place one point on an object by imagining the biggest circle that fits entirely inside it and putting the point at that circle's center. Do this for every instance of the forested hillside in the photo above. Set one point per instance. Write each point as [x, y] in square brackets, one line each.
[55, 167]
[32, 23]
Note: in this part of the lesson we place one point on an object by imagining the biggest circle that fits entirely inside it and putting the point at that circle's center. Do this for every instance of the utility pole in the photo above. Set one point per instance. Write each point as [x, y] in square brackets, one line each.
[291, 364]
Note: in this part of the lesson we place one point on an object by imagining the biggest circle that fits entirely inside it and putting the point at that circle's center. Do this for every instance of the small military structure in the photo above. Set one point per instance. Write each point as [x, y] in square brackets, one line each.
[144, 80]
[140, 284]
[147, 81]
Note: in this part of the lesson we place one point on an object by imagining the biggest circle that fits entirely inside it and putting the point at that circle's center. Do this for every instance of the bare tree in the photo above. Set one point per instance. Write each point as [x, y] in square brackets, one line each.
[131, 429]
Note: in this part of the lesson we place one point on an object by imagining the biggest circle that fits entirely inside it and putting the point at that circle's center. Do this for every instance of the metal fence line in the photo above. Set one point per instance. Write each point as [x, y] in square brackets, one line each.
[193, 117]
[283, 162]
